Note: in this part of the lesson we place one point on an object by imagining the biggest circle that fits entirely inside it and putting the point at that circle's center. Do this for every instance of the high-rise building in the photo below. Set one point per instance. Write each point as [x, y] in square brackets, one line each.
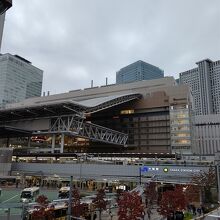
[4, 6]
[138, 71]
[19, 79]
[204, 82]
[2, 20]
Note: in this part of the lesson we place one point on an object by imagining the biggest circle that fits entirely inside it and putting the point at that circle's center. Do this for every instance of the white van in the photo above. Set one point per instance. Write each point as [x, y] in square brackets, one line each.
[29, 194]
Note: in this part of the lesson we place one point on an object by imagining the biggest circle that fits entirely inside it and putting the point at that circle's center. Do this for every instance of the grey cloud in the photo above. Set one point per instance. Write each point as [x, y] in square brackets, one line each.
[75, 41]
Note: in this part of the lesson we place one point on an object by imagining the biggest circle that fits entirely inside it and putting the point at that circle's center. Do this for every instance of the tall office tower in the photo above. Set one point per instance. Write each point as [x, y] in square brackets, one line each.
[4, 6]
[138, 71]
[19, 79]
[204, 82]
[2, 20]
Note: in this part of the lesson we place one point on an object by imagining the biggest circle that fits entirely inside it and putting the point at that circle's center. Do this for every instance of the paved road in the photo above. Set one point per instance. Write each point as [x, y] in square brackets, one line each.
[12, 217]
[12, 195]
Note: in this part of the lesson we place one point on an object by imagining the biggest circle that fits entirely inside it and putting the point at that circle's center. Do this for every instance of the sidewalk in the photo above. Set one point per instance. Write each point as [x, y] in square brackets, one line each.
[154, 216]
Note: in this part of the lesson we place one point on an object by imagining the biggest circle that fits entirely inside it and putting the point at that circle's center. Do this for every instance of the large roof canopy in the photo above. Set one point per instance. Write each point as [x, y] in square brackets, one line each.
[65, 107]
[8, 131]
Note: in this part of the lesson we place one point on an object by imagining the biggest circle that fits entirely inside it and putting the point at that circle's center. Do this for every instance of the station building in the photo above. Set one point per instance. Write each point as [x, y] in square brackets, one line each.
[149, 116]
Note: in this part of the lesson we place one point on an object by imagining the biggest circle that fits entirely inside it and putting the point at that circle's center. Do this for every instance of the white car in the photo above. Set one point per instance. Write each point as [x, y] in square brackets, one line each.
[0, 191]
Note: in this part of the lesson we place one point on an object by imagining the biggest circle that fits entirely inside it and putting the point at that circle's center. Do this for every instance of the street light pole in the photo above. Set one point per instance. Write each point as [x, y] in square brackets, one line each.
[70, 199]
[140, 182]
[218, 181]
[80, 174]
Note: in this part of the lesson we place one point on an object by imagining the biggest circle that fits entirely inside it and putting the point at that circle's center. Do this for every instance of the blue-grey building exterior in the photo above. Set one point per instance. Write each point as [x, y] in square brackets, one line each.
[138, 71]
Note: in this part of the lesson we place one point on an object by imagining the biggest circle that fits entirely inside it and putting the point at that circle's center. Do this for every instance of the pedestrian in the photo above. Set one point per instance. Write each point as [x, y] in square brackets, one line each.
[94, 216]
[203, 209]
[146, 201]
[179, 215]
[149, 213]
[88, 217]
[170, 216]
[111, 215]
[199, 211]
[194, 210]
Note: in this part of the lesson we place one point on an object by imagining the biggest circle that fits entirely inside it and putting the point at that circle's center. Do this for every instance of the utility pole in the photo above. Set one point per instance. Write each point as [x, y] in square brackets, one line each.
[140, 182]
[70, 199]
[218, 181]
[8, 214]
[23, 211]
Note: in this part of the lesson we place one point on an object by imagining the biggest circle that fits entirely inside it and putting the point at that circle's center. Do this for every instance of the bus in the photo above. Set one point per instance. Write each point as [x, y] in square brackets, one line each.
[29, 194]
[0, 191]
[58, 211]
[64, 192]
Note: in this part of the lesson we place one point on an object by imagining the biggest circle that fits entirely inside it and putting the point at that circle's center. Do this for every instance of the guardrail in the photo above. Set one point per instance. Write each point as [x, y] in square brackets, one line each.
[210, 216]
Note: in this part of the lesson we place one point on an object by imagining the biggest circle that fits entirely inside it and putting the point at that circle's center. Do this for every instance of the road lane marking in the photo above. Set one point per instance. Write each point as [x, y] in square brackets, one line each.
[10, 198]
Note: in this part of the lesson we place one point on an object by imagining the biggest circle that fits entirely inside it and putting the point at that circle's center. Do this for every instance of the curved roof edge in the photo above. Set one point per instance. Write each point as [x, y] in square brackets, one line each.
[66, 107]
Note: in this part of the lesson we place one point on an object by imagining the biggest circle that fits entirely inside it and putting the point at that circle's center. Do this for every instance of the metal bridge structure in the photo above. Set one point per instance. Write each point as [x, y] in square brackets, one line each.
[65, 117]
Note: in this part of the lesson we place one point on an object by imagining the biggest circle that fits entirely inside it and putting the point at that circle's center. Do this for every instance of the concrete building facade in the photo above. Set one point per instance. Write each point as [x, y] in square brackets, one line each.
[109, 172]
[206, 134]
[138, 71]
[19, 79]
[204, 82]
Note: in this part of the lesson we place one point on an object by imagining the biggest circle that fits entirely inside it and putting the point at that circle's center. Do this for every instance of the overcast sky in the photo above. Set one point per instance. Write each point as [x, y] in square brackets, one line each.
[75, 41]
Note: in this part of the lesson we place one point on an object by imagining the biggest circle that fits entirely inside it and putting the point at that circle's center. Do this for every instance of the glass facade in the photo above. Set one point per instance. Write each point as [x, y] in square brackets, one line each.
[19, 79]
[138, 71]
[180, 129]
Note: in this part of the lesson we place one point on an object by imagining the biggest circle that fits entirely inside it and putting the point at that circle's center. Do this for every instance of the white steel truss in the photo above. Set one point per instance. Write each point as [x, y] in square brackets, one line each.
[74, 125]
[99, 133]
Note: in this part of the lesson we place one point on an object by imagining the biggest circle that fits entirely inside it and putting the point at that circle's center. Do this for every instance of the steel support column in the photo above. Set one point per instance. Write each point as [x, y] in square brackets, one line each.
[29, 142]
[53, 142]
[62, 143]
